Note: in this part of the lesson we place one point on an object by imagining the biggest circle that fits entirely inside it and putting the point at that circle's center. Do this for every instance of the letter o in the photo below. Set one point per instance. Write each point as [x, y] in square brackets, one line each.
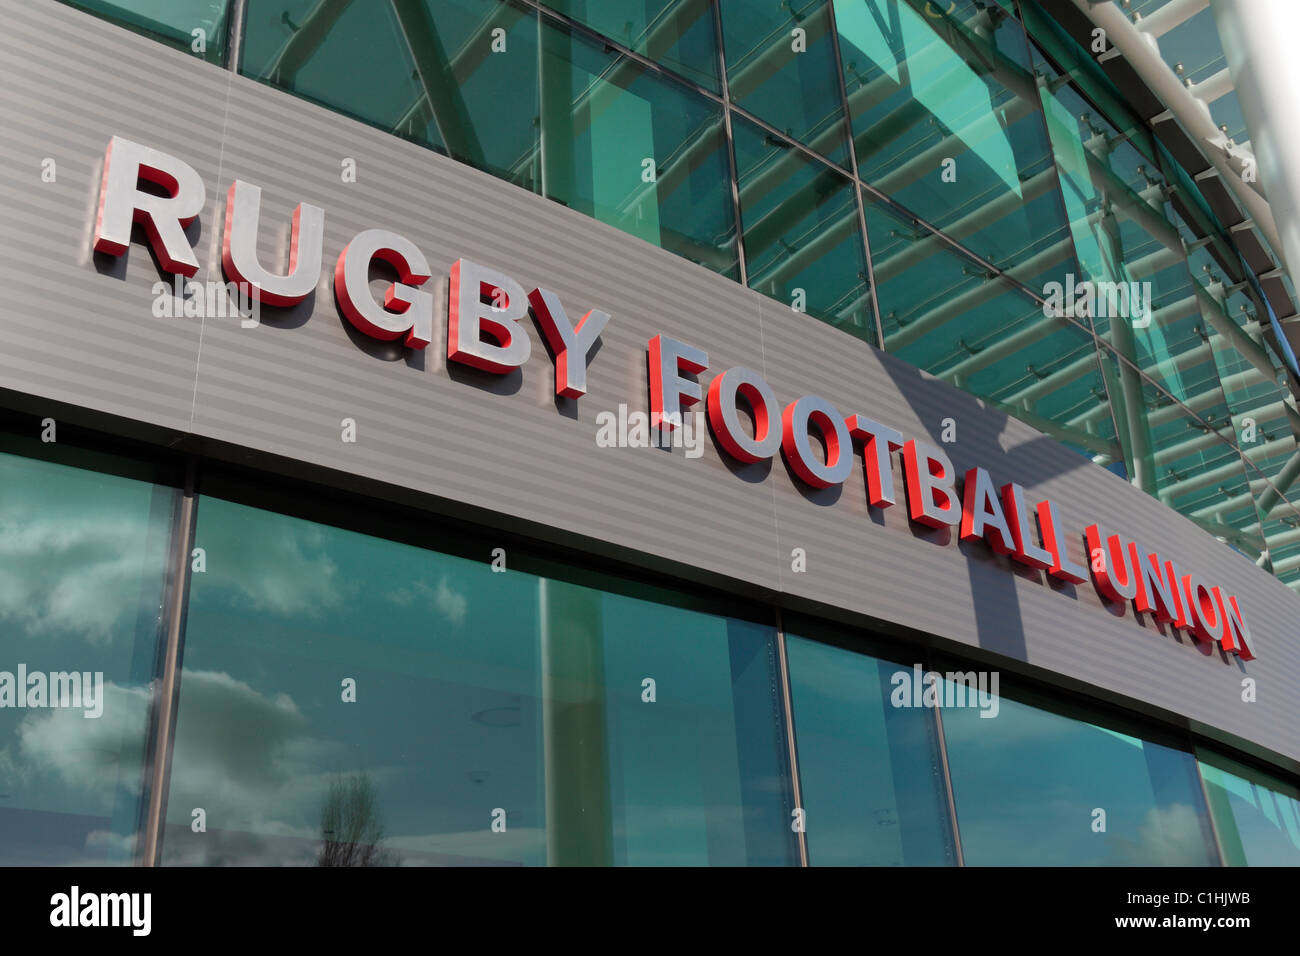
[724, 415]
[796, 444]
[1206, 620]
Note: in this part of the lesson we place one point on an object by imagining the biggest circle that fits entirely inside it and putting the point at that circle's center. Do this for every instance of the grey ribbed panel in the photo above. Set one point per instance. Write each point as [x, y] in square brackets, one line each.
[71, 333]
[505, 445]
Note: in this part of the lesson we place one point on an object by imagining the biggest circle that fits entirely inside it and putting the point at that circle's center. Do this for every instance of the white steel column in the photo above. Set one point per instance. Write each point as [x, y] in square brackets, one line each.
[1258, 39]
[1142, 53]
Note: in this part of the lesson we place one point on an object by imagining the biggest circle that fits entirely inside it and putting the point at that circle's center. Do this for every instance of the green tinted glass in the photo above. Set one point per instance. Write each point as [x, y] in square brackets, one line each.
[803, 241]
[350, 700]
[534, 104]
[679, 34]
[83, 559]
[1133, 282]
[198, 27]
[698, 770]
[1257, 815]
[1263, 415]
[457, 75]
[1188, 462]
[1051, 46]
[1279, 520]
[946, 122]
[781, 68]
[948, 315]
[870, 772]
[1253, 385]
[1038, 788]
[630, 148]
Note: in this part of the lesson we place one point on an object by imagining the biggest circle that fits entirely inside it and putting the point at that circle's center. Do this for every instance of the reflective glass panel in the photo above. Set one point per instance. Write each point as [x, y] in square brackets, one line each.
[870, 773]
[1257, 815]
[628, 147]
[1188, 462]
[456, 75]
[83, 557]
[1035, 787]
[1133, 282]
[947, 122]
[679, 34]
[350, 700]
[781, 68]
[803, 240]
[1279, 524]
[198, 27]
[533, 103]
[947, 314]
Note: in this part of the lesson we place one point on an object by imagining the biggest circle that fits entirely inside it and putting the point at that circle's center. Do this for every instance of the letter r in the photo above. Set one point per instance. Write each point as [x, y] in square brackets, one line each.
[122, 202]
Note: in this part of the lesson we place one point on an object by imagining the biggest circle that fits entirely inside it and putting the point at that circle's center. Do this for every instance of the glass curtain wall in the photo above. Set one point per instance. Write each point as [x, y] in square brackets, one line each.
[351, 700]
[1195, 377]
[83, 584]
[200, 28]
[870, 773]
[1041, 784]
[356, 699]
[1257, 814]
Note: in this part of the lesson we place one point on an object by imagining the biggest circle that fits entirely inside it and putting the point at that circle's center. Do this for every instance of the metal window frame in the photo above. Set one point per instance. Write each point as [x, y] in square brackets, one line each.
[166, 690]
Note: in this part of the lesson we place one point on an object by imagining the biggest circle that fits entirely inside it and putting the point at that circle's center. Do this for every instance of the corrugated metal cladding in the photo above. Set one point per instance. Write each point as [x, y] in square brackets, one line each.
[79, 329]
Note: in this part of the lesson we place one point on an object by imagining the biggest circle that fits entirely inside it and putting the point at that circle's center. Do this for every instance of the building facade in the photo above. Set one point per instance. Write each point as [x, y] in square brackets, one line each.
[731, 432]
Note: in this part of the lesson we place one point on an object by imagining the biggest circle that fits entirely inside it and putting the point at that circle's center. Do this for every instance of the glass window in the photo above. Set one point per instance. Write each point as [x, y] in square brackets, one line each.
[679, 34]
[83, 557]
[1257, 815]
[1251, 376]
[870, 774]
[947, 314]
[457, 75]
[947, 123]
[1055, 52]
[781, 68]
[1133, 282]
[1261, 407]
[701, 775]
[1189, 463]
[352, 700]
[635, 150]
[803, 240]
[1035, 787]
[193, 26]
[1280, 525]
[537, 105]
